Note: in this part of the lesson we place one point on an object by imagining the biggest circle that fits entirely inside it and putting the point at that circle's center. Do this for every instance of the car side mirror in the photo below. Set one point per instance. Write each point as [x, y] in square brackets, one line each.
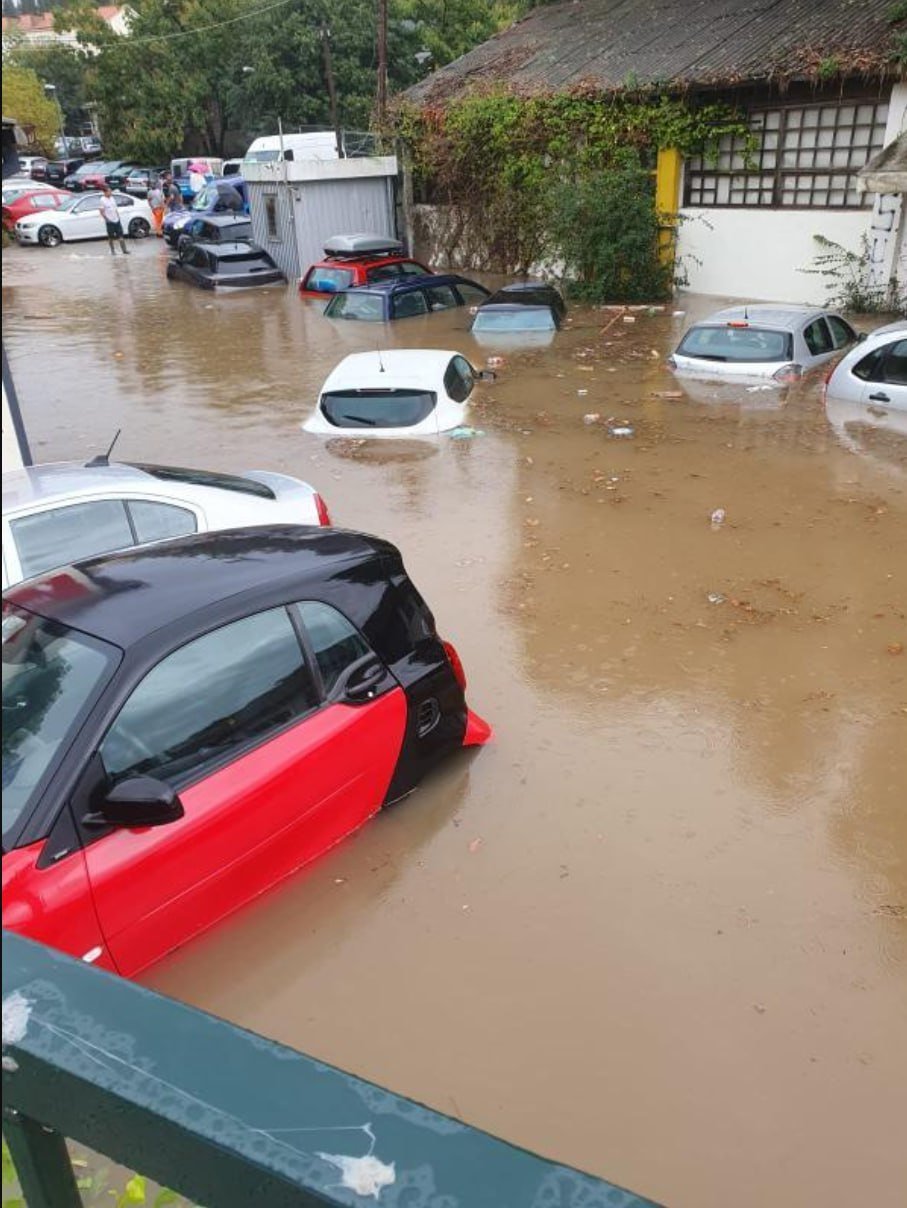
[485, 375]
[861, 336]
[138, 801]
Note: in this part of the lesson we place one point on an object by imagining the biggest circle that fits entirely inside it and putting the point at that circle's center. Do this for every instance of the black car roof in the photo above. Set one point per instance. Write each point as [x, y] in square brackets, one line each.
[123, 598]
[222, 220]
[526, 294]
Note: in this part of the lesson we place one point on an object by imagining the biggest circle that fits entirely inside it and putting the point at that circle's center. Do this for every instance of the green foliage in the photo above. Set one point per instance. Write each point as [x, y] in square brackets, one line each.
[605, 230]
[828, 68]
[494, 160]
[25, 100]
[847, 280]
[57, 64]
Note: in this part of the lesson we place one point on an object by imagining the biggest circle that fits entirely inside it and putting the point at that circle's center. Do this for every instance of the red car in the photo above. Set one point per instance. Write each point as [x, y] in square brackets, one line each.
[187, 723]
[358, 260]
[32, 203]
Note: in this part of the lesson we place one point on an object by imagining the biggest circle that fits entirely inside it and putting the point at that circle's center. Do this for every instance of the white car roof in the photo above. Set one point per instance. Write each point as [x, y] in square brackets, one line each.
[883, 332]
[787, 318]
[395, 368]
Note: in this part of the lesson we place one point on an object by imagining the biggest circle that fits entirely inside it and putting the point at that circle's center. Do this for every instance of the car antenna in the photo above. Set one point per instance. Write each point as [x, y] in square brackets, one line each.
[380, 362]
[103, 459]
[746, 313]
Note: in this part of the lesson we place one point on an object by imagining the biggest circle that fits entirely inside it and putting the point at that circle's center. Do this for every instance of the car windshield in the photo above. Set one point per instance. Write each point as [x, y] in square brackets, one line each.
[524, 318]
[744, 344]
[207, 198]
[377, 408]
[329, 280]
[263, 157]
[50, 677]
[353, 305]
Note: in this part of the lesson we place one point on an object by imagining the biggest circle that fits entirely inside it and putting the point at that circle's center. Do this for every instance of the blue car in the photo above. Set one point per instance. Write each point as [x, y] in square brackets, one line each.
[227, 194]
[405, 297]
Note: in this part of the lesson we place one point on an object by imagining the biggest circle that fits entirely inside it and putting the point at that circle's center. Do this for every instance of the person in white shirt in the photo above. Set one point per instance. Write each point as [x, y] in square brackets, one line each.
[111, 216]
[196, 179]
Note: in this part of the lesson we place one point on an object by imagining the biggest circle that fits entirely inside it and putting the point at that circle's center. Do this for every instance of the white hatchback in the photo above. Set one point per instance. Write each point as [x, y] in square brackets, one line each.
[874, 374]
[61, 512]
[401, 392]
[80, 218]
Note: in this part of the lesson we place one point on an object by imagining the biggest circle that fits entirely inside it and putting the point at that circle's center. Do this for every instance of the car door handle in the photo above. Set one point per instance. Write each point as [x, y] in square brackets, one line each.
[879, 398]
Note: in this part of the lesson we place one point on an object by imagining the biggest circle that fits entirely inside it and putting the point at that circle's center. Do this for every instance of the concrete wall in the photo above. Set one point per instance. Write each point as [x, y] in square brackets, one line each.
[887, 245]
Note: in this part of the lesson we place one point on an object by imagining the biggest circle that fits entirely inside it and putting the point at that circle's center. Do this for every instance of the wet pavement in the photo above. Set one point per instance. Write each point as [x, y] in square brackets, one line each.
[658, 929]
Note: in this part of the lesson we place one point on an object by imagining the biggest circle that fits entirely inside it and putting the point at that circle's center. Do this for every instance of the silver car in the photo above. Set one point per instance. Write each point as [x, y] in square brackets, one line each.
[762, 341]
[59, 513]
[874, 374]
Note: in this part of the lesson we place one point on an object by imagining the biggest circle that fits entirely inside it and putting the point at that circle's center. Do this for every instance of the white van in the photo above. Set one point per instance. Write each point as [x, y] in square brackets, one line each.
[321, 144]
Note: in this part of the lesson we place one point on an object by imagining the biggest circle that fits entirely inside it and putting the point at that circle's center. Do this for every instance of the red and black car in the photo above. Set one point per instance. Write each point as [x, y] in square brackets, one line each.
[188, 723]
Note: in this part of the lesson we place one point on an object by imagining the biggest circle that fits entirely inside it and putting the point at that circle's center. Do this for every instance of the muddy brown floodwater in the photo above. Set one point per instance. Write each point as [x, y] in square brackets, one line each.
[658, 929]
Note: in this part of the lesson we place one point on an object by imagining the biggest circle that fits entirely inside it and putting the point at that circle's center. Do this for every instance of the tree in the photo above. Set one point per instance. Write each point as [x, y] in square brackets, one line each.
[60, 65]
[25, 100]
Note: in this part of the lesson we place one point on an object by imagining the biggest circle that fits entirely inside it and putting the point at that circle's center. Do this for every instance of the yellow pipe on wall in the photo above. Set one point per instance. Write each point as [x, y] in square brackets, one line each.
[667, 198]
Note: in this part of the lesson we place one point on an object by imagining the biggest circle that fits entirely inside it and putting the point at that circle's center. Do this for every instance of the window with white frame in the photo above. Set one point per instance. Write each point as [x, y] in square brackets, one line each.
[806, 156]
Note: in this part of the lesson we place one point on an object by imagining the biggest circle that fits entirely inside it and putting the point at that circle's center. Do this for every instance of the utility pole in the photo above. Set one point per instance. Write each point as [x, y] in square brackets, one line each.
[331, 86]
[382, 64]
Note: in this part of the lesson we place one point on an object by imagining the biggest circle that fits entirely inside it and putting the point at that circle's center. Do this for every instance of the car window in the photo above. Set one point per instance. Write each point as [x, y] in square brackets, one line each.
[894, 367]
[818, 337]
[744, 344]
[350, 305]
[841, 333]
[248, 680]
[514, 318]
[471, 294]
[123, 200]
[45, 200]
[336, 643]
[328, 280]
[66, 534]
[157, 521]
[869, 368]
[458, 379]
[88, 204]
[50, 675]
[409, 304]
[377, 408]
[441, 297]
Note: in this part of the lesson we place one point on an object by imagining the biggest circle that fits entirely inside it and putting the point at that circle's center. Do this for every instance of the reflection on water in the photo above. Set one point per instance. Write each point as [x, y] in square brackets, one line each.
[657, 929]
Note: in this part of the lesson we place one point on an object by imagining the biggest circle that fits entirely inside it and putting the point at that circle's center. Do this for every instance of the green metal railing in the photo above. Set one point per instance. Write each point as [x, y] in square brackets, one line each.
[226, 1117]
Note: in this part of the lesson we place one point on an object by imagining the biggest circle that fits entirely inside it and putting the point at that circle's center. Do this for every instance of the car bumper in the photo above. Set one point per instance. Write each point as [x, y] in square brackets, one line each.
[26, 234]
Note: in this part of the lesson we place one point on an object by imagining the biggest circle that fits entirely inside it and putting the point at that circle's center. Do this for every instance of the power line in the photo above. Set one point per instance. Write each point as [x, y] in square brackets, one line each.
[201, 29]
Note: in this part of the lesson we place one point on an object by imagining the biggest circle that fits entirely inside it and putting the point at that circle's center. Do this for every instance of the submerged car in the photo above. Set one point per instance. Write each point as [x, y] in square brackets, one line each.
[80, 218]
[358, 260]
[405, 297]
[224, 196]
[216, 228]
[400, 392]
[522, 315]
[224, 265]
[874, 374]
[762, 341]
[187, 725]
[62, 511]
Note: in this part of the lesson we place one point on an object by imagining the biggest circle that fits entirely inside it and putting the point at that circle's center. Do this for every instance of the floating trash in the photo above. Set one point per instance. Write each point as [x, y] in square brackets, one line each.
[465, 433]
[621, 431]
[717, 518]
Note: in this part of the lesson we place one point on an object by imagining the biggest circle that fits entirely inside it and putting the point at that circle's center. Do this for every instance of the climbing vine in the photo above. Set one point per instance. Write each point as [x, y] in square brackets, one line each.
[497, 163]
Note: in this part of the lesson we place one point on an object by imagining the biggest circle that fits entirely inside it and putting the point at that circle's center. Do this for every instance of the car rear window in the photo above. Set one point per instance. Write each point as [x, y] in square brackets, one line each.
[368, 307]
[400, 268]
[743, 344]
[526, 318]
[329, 280]
[206, 478]
[377, 408]
[236, 263]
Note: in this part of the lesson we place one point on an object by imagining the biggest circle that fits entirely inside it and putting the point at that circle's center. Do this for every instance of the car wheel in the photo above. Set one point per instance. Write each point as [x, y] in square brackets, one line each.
[49, 236]
[139, 228]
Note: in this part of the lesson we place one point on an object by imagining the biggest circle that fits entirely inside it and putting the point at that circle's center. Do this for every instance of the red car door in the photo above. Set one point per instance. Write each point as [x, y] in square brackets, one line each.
[269, 773]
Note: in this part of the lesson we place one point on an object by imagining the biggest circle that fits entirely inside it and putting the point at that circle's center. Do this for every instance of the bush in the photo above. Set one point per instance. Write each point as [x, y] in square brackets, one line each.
[605, 230]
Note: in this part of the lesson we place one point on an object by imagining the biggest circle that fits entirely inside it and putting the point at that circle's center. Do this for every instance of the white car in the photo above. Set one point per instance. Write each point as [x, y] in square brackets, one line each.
[401, 392]
[58, 513]
[80, 218]
[874, 374]
[762, 342]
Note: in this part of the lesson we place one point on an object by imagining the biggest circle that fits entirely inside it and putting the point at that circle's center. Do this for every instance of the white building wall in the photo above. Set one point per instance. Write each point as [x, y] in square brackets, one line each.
[886, 227]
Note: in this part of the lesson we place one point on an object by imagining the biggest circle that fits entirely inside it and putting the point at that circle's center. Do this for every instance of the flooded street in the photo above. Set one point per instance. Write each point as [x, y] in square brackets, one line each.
[657, 929]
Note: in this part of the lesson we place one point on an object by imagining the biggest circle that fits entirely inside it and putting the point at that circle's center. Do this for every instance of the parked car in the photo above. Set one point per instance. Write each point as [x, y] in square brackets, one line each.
[91, 175]
[405, 297]
[18, 186]
[58, 169]
[179, 170]
[231, 167]
[398, 392]
[224, 265]
[225, 196]
[874, 374]
[215, 228]
[762, 341]
[358, 260]
[56, 513]
[187, 725]
[37, 167]
[32, 203]
[80, 218]
[117, 177]
[140, 180]
[519, 315]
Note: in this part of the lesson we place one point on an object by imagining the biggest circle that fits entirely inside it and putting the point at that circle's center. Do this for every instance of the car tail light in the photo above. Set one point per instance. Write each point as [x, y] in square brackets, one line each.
[324, 516]
[456, 665]
[671, 362]
[788, 373]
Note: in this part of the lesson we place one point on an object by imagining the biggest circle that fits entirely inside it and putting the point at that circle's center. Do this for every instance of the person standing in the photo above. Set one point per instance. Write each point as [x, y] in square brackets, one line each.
[111, 216]
[172, 193]
[156, 202]
[196, 179]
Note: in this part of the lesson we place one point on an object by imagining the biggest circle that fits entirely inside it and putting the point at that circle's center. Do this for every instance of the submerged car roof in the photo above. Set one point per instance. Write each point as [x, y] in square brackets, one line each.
[125, 597]
[420, 367]
[404, 283]
[776, 314]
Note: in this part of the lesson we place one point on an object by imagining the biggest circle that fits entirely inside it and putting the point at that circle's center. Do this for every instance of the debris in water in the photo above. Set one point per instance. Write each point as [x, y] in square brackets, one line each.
[465, 433]
[494, 362]
[621, 430]
[896, 648]
[677, 314]
[717, 518]
[474, 846]
[629, 318]
[592, 417]
[582, 392]
[667, 394]
[364, 1176]
[715, 597]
